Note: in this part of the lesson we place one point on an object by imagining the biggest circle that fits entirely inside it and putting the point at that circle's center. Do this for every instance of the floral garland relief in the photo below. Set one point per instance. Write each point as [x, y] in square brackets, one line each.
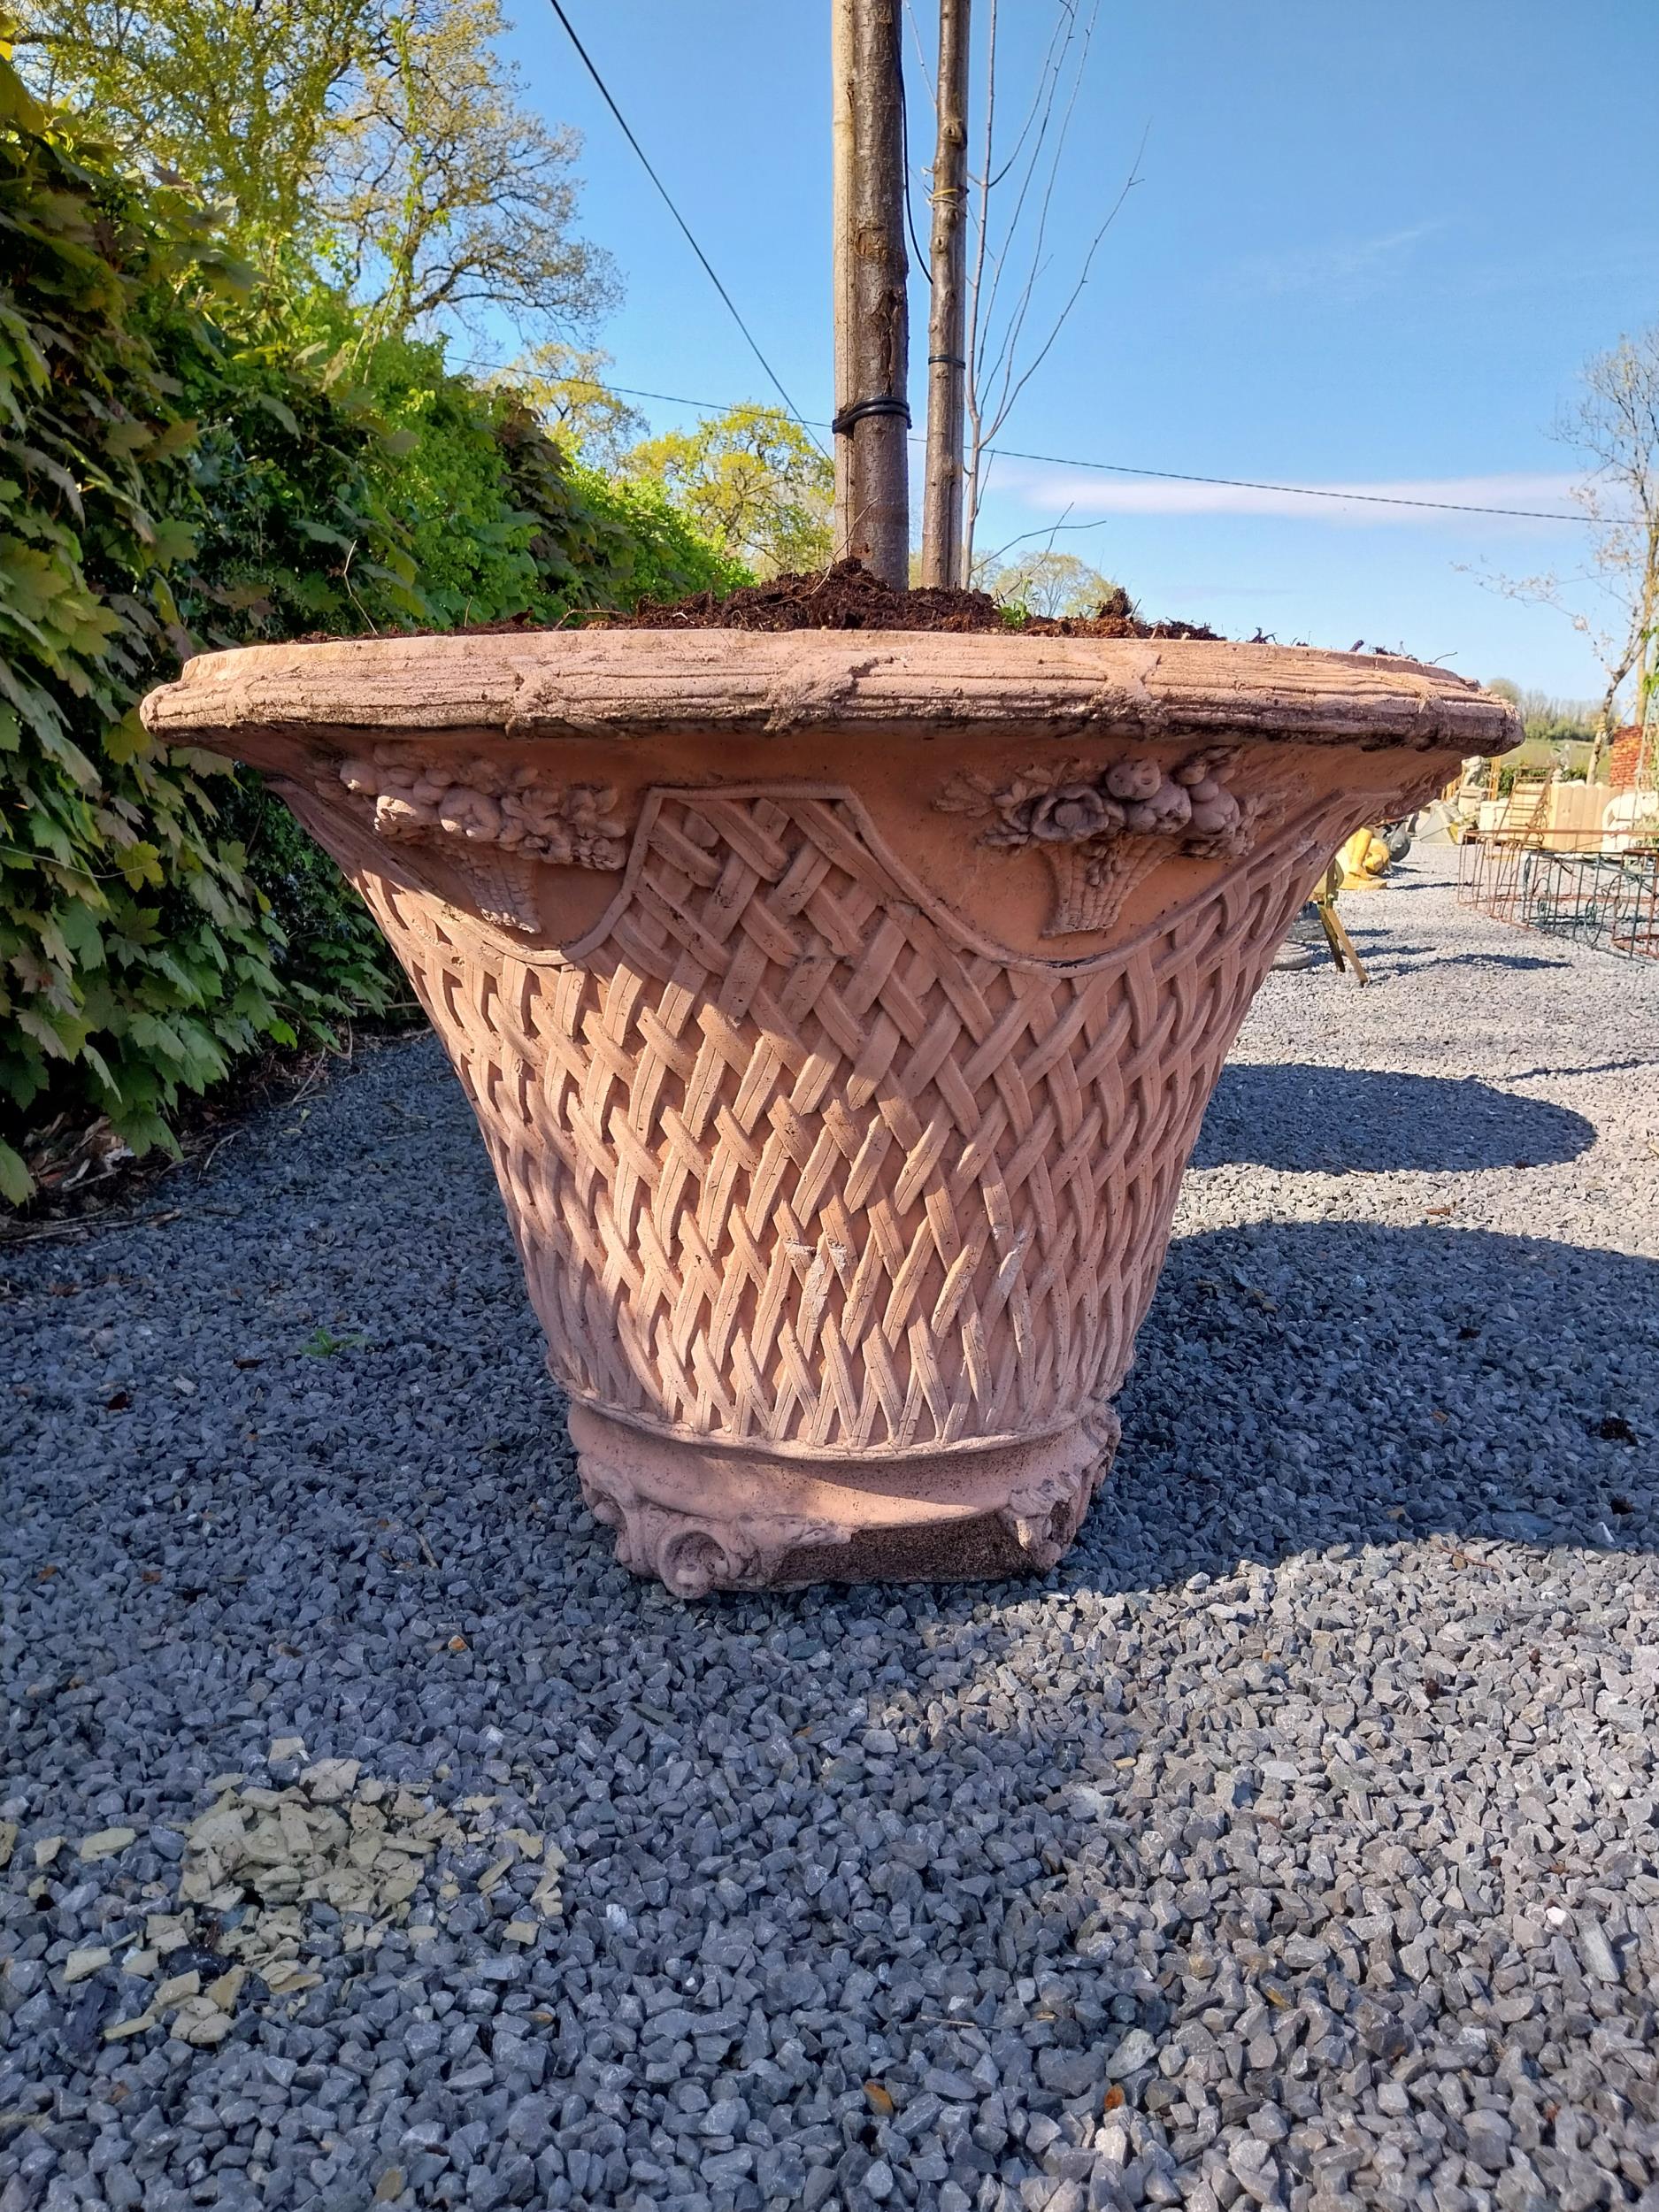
[1105, 830]
[494, 822]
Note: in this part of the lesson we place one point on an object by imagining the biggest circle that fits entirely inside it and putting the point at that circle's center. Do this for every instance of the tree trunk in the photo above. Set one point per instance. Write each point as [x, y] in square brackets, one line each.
[873, 520]
[947, 366]
[842, 150]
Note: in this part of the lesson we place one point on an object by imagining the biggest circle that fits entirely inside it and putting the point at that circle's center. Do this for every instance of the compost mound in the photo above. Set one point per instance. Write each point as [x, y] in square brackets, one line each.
[845, 596]
[848, 597]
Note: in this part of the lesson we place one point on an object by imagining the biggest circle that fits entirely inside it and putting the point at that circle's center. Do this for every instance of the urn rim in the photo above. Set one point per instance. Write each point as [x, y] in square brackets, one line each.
[915, 686]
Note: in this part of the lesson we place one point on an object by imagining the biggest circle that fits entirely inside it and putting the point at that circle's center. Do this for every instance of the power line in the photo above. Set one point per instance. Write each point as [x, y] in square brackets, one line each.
[1124, 468]
[1011, 453]
[1300, 491]
[668, 201]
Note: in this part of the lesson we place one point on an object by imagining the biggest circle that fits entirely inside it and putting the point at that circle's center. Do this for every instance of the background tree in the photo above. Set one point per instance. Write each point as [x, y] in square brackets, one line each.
[1054, 585]
[1565, 733]
[448, 196]
[381, 142]
[751, 481]
[243, 99]
[565, 385]
[1614, 426]
[1546, 719]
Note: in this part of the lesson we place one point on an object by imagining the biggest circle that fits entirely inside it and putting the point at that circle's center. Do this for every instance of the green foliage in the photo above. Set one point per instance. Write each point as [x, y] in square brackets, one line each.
[1054, 585]
[1549, 721]
[176, 472]
[243, 97]
[565, 385]
[322, 1343]
[660, 553]
[385, 139]
[292, 526]
[470, 539]
[328, 946]
[752, 480]
[502, 523]
[134, 953]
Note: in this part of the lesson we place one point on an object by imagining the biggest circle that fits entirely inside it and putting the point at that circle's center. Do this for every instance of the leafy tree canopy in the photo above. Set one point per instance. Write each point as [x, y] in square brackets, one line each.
[1052, 585]
[566, 387]
[1546, 719]
[174, 473]
[752, 480]
[384, 140]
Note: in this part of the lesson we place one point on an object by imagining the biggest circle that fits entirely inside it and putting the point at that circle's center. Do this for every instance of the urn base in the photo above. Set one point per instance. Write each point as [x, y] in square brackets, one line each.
[697, 1515]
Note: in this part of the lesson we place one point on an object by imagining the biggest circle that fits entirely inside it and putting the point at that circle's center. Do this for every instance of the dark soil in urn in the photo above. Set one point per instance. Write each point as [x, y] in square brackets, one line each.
[849, 597]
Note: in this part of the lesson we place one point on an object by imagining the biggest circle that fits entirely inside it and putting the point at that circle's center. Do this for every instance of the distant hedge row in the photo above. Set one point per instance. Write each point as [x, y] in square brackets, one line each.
[181, 467]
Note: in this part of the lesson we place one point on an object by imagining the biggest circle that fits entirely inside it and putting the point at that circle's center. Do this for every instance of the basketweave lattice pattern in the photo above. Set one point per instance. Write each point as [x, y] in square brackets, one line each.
[788, 1160]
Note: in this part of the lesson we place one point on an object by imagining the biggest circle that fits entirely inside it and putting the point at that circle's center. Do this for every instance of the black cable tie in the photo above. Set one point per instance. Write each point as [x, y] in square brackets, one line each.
[842, 423]
[955, 359]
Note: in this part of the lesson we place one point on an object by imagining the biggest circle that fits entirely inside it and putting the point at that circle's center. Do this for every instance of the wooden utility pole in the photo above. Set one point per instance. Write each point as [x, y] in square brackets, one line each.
[872, 418]
[947, 320]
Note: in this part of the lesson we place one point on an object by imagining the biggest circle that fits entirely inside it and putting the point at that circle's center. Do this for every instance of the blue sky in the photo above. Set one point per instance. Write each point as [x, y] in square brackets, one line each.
[1373, 243]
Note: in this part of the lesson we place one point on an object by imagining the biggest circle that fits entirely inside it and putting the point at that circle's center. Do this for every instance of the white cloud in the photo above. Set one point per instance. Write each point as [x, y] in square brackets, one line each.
[1087, 493]
[1349, 269]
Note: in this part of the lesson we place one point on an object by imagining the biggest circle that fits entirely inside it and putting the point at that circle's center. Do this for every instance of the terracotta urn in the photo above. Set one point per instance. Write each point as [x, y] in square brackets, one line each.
[839, 1009]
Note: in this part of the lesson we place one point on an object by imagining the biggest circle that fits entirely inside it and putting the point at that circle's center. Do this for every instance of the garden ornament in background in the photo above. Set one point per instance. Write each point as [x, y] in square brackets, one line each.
[1366, 859]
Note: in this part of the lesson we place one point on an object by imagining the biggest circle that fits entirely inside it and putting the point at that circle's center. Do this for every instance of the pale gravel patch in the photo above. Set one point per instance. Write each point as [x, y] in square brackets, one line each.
[1311, 1804]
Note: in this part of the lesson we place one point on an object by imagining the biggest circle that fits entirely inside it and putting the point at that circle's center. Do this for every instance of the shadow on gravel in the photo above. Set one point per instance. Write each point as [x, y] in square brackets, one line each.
[1283, 1114]
[1587, 1067]
[1491, 960]
[1301, 1385]
[1376, 944]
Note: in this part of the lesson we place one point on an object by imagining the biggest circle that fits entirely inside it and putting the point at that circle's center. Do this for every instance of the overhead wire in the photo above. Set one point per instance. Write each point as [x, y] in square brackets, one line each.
[1009, 453]
[924, 261]
[1298, 491]
[1128, 468]
[668, 201]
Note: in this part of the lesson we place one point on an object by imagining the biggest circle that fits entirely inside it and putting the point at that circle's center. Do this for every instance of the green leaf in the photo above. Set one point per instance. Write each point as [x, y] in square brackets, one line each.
[188, 463]
[16, 1182]
[279, 411]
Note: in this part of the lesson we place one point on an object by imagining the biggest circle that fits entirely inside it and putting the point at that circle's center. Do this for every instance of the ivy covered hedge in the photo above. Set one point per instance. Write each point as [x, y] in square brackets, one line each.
[181, 468]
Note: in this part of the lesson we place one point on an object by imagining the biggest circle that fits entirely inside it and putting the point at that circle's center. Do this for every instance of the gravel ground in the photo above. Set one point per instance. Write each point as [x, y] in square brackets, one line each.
[1295, 1844]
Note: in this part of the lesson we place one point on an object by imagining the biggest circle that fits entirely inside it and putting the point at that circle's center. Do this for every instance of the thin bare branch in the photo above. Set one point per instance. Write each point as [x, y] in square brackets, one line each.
[1615, 427]
[1043, 530]
[1037, 360]
[1064, 20]
[971, 461]
[921, 56]
[1049, 85]
[1008, 351]
[1012, 257]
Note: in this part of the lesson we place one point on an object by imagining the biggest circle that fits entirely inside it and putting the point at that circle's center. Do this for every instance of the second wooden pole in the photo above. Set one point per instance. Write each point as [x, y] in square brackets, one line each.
[947, 320]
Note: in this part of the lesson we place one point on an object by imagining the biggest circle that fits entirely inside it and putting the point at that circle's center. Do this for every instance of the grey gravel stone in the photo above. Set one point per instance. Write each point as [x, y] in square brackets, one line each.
[1313, 1800]
[1135, 2050]
[1488, 2135]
